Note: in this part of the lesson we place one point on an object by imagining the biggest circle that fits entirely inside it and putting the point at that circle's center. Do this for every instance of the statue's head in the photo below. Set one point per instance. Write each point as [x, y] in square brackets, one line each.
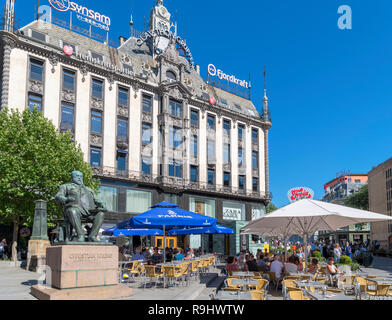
[77, 177]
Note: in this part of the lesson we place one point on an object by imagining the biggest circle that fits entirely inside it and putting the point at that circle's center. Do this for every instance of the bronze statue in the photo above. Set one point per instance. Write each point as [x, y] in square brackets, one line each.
[81, 205]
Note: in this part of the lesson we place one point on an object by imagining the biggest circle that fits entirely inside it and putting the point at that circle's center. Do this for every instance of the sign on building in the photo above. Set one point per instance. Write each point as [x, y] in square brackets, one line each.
[300, 193]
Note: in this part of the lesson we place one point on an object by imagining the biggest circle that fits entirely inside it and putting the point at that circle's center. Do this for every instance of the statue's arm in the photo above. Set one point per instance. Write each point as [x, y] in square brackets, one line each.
[61, 196]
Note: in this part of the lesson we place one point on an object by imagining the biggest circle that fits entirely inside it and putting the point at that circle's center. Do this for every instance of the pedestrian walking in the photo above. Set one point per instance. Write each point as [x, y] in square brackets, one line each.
[3, 249]
[337, 252]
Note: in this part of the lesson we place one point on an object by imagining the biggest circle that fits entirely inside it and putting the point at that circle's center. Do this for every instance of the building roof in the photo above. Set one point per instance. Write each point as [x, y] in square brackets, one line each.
[138, 58]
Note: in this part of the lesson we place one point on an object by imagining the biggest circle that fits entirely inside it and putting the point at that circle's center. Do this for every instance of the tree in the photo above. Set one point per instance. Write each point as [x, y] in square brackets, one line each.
[35, 159]
[271, 207]
[360, 199]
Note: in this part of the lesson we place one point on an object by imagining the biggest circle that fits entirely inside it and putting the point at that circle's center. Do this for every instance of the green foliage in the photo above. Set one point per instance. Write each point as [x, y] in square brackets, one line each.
[271, 207]
[359, 200]
[34, 161]
[355, 266]
[316, 254]
[345, 260]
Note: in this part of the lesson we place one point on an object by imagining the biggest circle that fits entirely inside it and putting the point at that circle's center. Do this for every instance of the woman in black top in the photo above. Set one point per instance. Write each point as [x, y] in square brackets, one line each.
[251, 264]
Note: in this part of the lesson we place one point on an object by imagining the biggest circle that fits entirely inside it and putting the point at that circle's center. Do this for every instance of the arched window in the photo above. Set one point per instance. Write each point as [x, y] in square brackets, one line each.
[171, 76]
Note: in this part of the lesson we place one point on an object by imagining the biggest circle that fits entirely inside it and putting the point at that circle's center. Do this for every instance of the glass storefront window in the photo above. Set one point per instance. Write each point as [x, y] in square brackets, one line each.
[108, 196]
[234, 211]
[138, 201]
[202, 206]
[258, 211]
[172, 198]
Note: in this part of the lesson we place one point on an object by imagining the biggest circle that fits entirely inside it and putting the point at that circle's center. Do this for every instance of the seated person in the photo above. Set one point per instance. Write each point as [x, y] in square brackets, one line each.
[313, 267]
[262, 264]
[169, 255]
[138, 256]
[156, 257]
[299, 264]
[178, 256]
[333, 270]
[231, 265]
[277, 267]
[250, 264]
[291, 266]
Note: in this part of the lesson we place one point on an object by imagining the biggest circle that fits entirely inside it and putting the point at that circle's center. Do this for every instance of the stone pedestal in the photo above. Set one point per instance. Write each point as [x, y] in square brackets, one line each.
[36, 255]
[81, 272]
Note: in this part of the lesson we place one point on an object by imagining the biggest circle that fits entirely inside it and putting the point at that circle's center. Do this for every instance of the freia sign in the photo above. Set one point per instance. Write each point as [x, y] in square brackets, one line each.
[300, 193]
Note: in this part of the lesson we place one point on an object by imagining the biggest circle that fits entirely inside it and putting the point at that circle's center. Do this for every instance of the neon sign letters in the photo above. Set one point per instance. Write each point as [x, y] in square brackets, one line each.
[300, 193]
[214, 72]
[84, 14]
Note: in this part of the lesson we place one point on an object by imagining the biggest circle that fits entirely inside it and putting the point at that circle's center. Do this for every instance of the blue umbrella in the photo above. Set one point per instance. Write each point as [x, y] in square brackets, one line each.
[217, 229]
[115, 232]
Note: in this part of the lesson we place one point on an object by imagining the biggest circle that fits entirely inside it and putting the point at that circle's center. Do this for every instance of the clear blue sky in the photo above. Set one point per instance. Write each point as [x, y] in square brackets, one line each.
[330, 90]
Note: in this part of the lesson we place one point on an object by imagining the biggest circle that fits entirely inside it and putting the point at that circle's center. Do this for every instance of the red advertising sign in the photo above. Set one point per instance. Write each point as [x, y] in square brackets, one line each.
[300, 193]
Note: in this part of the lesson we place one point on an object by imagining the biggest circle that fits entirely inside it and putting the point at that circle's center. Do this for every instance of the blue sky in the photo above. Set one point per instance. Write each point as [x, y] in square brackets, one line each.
[329, 89]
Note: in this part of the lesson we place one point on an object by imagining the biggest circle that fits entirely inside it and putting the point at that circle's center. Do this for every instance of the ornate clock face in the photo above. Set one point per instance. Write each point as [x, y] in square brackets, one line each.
[163, 11]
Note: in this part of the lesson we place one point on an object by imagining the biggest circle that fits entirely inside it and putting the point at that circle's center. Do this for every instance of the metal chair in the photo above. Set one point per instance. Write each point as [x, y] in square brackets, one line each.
[151, 273]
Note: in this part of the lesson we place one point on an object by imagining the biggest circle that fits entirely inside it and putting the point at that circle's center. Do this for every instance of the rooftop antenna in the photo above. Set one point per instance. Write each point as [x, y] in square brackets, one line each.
[38, 5]
[250, 86]
[10, 18]
[131, 22]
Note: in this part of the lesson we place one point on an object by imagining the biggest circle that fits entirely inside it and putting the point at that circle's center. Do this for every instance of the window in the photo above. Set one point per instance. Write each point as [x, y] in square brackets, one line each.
[255, 159]
[35, 101]
[211, 150]
[36, 70]
[241, 131]
[357, 181]
[240, 157]
[202, 206]
[95, 157]
[122, 129]
[138, 201]
[211, 176]
[175, 137]
[223, 101]
[194, 118]
[171, 76]
[175, 109]
[38, 35]
[69, 80]
[226, 179]
[97, 89]
[194, 173]
[67, 116]
[194, 146]
[108, 196]
[146, 134]
[241, 182]
[255, 136]
[175, 169]
[121, 160]
[97, 56]
[96, 121]
[234, 211]
[211, 122]
[146, 165]
[226, 153]
[255, 184]
[147, 104]
[226, 127]
[123, 95]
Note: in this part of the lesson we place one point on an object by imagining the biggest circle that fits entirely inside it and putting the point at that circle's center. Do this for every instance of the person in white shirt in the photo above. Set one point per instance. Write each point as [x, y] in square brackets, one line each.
[337, 252]
[277, 267]
[291, 267]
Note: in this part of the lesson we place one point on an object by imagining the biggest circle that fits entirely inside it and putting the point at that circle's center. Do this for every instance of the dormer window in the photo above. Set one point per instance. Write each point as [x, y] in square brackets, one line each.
[38, 35]
[171, 76]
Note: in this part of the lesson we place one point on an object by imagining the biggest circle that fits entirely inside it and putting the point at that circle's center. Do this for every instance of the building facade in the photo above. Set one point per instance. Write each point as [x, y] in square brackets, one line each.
[337, 191]
[151, 128]
[380, 201]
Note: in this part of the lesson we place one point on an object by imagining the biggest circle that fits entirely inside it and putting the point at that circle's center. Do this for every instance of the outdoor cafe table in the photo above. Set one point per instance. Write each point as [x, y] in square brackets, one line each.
[314, 284]
[329, 296]
[233, 295]
[301, 274]
[380, 280]
[243, 274]
[244, 283]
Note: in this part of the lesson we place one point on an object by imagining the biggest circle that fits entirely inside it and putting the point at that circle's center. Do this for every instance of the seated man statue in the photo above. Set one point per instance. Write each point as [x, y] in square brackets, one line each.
[81, 204]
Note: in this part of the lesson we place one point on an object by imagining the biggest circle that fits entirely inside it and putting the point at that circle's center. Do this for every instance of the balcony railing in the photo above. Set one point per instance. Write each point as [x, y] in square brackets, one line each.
[179, 184]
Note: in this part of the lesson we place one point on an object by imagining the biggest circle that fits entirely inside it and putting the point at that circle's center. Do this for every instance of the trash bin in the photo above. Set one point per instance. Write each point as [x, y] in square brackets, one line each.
[367, 259]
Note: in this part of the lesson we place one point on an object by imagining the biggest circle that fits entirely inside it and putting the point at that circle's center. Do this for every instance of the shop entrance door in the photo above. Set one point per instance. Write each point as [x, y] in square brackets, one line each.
[170, 242]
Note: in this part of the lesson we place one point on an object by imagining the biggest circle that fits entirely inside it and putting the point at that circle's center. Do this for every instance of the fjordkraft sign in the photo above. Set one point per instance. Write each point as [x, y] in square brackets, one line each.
[300, 193]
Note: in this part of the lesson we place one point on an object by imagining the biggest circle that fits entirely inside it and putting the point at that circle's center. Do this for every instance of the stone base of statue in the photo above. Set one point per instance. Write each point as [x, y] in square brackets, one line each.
[82, 272]
[36, 255]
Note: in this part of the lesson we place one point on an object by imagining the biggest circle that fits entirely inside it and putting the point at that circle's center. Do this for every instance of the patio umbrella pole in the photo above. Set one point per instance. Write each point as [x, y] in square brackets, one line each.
[164, 245]
[306, 251]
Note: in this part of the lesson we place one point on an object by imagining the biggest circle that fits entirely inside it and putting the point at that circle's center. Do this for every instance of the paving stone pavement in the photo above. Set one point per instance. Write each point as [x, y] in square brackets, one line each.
[16, 282]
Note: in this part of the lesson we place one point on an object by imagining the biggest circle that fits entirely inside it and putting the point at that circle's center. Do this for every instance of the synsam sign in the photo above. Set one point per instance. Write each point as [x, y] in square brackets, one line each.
[65, 5]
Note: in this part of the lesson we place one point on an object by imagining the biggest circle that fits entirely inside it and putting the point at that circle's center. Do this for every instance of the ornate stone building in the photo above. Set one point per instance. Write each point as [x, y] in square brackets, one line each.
[149, 125]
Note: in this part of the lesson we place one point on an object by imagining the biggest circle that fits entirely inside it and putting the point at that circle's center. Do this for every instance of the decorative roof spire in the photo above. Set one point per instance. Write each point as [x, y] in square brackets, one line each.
[265, 98]
[159, 2]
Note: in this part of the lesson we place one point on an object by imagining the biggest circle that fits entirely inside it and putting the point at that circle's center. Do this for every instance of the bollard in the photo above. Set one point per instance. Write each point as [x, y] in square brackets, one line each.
[40, 226]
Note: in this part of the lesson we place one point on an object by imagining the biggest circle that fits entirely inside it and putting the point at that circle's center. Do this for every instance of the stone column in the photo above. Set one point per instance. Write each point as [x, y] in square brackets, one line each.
[186, 139]
[9, 43]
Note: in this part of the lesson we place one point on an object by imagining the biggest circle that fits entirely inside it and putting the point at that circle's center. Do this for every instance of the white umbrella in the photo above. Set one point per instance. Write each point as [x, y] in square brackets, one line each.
[308, 216]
